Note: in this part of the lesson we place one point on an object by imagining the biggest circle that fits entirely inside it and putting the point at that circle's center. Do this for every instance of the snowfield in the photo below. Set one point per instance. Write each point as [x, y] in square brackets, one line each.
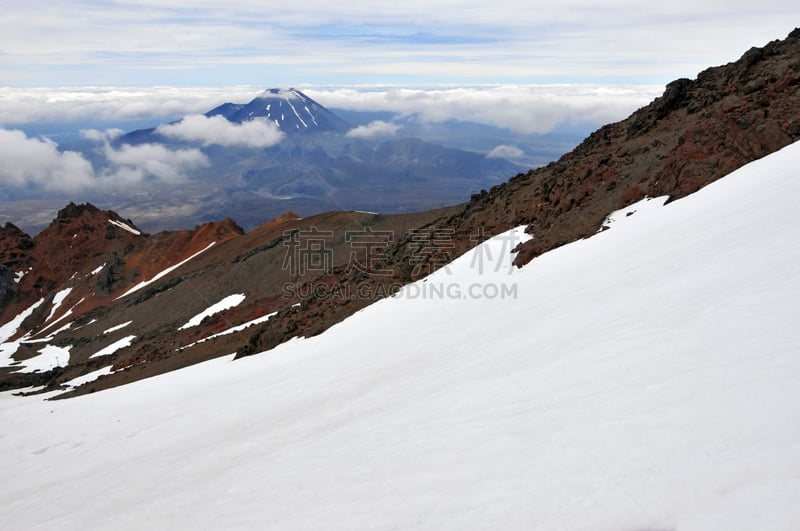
[642, 379]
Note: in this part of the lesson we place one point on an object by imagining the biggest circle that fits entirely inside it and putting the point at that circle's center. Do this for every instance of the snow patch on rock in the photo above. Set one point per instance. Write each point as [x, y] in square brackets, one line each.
[228, 302]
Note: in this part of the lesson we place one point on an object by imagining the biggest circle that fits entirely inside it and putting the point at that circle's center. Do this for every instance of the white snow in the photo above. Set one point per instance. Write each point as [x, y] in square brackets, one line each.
[10, 328]
[117, 327]
[89, 377]
[228, 302]
[7, 350]
[98, 269]
[50, 356]
[115, 346]
[18, 276]
[51, 335]
[640, 208]
[163, 273]
[313, 118]
[66, 314]
[233, 329]
[58, 299]
[125, 226]
[297, 114]
[643, 379]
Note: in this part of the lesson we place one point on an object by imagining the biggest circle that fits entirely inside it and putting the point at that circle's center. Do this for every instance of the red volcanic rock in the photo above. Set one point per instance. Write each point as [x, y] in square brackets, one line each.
[696, 132]
[15, 247]
[98, 254]
[283, 218]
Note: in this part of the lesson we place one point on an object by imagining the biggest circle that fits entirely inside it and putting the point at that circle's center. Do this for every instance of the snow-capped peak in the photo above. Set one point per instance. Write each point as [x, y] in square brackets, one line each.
[289, 109]
[284, 92]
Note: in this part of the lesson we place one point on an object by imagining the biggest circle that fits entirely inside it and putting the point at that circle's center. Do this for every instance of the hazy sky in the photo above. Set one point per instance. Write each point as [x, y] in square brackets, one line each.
[51, 43]
[526, 66]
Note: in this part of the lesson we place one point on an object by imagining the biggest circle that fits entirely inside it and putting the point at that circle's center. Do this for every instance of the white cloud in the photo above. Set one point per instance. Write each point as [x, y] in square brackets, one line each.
[37, 163]
[112, 104]
[135, 164]
[373, 129]
[257, 133]
[26, 162]
[522, 108]
[101, 136]
[418, 41]
[506, 151]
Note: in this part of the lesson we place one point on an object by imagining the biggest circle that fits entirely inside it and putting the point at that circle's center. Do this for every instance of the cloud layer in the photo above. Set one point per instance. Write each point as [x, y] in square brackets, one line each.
[112, 104]
[33, 162]
[27, 161]
[136, 164]
[505, 151]
[217, 130]
[36, 164]
[205, 42]
[522, 108]
[374, 129]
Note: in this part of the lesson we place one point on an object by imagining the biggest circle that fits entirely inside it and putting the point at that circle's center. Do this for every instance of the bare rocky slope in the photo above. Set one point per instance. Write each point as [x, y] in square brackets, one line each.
[696, 132]
[308, 274]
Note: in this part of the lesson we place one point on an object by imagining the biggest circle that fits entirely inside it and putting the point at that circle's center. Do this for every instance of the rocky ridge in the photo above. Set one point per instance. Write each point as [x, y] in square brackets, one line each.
[696, 132]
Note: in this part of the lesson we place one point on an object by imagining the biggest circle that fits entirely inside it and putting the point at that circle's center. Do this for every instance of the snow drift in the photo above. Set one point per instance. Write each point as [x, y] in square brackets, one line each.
[642, 379]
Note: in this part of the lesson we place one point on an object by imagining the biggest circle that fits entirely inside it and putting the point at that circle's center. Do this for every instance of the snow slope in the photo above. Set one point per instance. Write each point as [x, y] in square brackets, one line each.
[642, 379]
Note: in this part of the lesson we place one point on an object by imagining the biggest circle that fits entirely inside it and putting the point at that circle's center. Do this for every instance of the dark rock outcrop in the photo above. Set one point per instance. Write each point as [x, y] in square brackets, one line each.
[109, 276]
[15, 247]
[696, 132]
[8, 288]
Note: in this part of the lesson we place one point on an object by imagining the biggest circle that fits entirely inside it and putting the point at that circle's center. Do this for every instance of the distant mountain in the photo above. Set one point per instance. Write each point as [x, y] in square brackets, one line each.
[645, 379]
[291, 110]
[658, 350]
[360, 171]
[92, 279]
[317, 167]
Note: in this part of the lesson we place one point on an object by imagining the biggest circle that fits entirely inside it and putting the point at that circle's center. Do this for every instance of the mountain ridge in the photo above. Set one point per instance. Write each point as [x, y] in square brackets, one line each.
[312, 165]
[696, 132]
[278, 106]
[748, 107]
[693, 134]
[644, 379]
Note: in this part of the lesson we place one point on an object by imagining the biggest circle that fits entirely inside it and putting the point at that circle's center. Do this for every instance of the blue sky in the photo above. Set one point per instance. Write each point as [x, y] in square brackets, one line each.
[55, 43]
